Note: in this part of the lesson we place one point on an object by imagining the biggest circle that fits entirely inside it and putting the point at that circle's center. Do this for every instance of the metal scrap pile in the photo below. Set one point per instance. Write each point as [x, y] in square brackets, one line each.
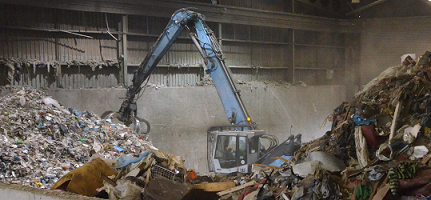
[41, 141]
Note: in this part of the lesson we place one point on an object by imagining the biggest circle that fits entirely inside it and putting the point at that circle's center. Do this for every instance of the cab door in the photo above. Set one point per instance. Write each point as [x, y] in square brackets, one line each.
[230, 153]
[242, 151]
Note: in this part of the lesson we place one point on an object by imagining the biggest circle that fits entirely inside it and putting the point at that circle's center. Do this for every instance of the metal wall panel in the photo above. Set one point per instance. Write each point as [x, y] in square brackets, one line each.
[35, 17]
[244, 3]
[327, 57]
[39, 36]
[138, 48]
[40, 46]
[242, 74]
[268, 55]
[182, 53]
[35, 38]
[237, 54]
[271, 74]
[36, 35]
[24, 45]
[305, 37]
[255, 33]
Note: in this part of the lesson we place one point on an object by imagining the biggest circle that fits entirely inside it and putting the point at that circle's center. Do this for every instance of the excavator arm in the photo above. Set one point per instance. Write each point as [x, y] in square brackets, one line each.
[209, 48]
[242, 134]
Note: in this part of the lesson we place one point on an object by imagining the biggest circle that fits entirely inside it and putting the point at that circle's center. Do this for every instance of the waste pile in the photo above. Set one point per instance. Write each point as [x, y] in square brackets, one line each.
[41, 141]
[377, 148]
[158, 172]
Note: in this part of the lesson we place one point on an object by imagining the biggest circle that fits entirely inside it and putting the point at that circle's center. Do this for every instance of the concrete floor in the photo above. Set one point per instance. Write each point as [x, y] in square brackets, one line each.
[181, 116]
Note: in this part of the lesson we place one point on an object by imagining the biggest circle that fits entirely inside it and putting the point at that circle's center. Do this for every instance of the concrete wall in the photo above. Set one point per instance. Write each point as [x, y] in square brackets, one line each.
[180, 117]
[383, 41]
[19, 192]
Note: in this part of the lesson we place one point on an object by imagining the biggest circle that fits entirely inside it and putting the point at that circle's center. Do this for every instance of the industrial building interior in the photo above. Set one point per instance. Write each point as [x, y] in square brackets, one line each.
[312, 70]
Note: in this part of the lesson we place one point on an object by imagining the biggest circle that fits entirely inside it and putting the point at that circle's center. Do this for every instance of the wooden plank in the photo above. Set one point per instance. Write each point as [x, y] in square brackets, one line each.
[214, 187]
[269, 166]
[253, 182]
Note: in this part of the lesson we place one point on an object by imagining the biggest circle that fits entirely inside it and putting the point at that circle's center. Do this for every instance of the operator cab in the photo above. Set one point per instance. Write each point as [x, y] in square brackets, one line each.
[233, 148]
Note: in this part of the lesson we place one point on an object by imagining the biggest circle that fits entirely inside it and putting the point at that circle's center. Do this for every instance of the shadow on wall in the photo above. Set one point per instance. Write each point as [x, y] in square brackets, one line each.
[3, 74]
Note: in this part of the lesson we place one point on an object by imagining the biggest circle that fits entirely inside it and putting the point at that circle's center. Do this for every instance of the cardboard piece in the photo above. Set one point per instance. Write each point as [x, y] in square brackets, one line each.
[381, 193]
[85, 179]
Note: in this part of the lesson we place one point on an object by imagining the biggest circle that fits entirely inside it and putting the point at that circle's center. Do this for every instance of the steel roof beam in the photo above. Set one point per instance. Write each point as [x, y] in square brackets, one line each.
[213, 13]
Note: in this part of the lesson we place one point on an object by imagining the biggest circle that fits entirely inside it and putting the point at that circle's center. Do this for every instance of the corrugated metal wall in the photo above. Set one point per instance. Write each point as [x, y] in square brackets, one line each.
[383, 41]
[38, 33]
[319, 57]
[49, 56]
[255, 46]
[79, 43]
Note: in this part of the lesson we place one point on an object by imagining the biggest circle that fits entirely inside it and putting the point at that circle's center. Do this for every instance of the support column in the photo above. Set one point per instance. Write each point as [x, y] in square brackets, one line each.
[123, 28]
[57, 51]
[220, 36]
[291, 68]
[125, 55]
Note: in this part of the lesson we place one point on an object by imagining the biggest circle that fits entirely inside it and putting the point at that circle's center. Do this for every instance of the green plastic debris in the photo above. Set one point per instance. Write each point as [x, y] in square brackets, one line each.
[363, 192]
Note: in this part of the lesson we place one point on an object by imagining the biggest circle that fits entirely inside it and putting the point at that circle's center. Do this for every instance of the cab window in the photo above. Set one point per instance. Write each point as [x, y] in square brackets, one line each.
[226, 147]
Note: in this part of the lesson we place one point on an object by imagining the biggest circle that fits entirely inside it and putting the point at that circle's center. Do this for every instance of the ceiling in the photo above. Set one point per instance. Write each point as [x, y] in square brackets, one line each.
[367, 8]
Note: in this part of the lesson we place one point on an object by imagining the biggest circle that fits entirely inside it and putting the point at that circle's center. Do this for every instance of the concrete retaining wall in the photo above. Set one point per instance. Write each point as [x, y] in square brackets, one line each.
[180, 117]
[19, 192]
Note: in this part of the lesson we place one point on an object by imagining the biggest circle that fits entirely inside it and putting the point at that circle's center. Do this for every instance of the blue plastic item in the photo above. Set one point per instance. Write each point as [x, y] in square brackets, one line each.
[77, 113]
[360, 121]
[40, 125]
[126, 160]
[278, 162]
[118, 148]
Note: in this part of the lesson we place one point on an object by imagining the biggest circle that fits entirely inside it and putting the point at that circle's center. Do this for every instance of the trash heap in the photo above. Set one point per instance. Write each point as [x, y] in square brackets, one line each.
[153, 173]
[41, 141]
[377, 148]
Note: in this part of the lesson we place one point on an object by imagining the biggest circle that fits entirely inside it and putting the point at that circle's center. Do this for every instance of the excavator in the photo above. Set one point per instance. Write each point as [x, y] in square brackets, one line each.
[231, 148]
